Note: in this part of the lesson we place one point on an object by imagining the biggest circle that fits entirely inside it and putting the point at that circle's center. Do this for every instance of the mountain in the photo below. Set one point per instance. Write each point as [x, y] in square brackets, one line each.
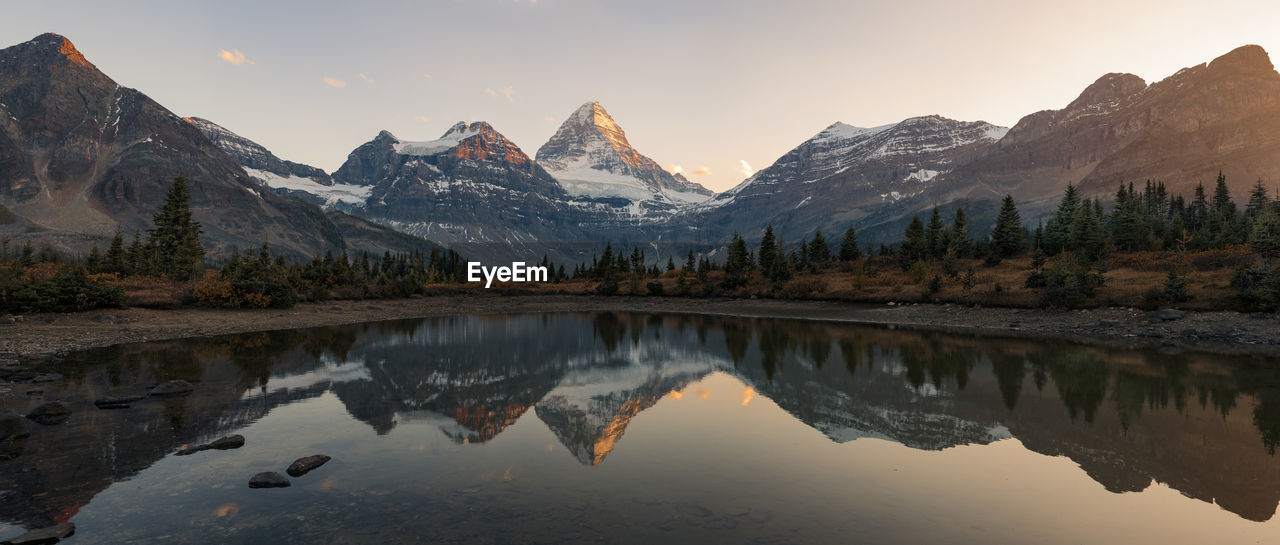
[258, 161]
[590, 156]
[1182, 130]
[476, 191]
[80, 155]
[845, 174]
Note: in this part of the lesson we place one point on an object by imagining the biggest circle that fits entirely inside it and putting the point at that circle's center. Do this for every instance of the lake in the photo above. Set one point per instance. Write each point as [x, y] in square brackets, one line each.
[639, 428]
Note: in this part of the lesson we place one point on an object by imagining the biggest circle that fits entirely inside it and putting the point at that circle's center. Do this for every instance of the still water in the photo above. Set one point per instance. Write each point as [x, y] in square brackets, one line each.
[637, 428]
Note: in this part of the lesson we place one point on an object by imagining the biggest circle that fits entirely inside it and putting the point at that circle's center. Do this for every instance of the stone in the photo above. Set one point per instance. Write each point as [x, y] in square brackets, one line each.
[8, 319]
[269, 479]
[104, 319]
[304, 465]
[226, 443]
[172, 388]
[12, 426]
[48, 414]
[1170, 314]
[115, 401]
[44, 536]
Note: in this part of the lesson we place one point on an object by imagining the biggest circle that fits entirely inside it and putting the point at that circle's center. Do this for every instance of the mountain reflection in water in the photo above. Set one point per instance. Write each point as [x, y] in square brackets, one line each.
[1204, 425]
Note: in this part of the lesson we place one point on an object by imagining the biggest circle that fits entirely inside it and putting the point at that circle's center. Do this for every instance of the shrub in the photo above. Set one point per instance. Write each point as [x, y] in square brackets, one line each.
[804, 288]
[1258, 288]
[654, 287]
[50, 287]
[1068, 285]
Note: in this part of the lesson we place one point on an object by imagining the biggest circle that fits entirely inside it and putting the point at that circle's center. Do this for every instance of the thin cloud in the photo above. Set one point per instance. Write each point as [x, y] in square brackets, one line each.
[702, 171]
[746, 169]
[551, 120]
[421, 118]
[508, 92]
[334, 82]
[366, 79]
[234, 57]
[675, 169]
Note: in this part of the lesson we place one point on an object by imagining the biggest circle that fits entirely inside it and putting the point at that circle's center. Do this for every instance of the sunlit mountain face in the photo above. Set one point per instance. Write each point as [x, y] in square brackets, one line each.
[640, 427]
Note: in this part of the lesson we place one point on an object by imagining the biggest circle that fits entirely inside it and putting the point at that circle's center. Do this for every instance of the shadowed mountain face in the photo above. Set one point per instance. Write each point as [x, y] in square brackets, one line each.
[80, 154]
[1204, 425]
[1223, 115]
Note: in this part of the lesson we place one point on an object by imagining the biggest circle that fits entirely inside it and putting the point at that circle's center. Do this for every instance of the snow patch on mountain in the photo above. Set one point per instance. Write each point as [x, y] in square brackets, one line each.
[331, 194]
[454, 136]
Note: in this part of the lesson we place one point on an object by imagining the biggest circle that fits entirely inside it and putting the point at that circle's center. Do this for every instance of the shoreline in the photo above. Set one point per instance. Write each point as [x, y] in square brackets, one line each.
[39, 336]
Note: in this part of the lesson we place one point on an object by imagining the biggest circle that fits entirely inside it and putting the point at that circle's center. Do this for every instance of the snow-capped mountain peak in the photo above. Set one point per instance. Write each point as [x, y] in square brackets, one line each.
[590, 156]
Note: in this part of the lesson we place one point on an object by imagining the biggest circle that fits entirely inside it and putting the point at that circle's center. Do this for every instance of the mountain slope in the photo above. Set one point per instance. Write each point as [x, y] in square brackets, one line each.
[81, 154]
[590, 156]
[845, 174]
[253, 156]
[1182, 130]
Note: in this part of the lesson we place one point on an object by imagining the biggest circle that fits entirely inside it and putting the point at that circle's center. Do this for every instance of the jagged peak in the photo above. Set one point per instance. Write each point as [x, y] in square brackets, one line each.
[467, 129]
[1246, 58]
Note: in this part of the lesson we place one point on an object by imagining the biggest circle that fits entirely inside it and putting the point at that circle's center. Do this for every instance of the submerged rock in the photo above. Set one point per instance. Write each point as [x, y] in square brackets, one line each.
[304, 465]
[172, 388]
[44, 536]
[115, 401]
[226, 443]
[269, 479]
[53, 412]
[1170, 314]
[12, 426]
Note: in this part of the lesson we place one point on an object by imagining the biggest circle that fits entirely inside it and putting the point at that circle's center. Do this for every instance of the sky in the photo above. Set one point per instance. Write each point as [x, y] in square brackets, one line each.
[718, 88]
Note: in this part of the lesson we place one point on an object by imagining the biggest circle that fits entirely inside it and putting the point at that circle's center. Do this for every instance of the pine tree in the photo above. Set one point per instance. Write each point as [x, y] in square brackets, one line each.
[176, 237]
[934, 236]
[960, 234]
[28, 255]
[1057, 232]
[689, 264]
[849, 246]
[819, 251]
[1258, 200]
[736, 263]
[94, 262]
[1086, 234]
[137, 256]
[114, 262]
[1264, 238]
[1007, 238]
[768, 250]
[915, 246]
[671, 264]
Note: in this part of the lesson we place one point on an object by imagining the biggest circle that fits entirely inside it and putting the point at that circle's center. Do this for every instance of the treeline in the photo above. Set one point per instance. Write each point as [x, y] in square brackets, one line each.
[1069, 252]
[1081, 234]
[259, 280]
[171, 253]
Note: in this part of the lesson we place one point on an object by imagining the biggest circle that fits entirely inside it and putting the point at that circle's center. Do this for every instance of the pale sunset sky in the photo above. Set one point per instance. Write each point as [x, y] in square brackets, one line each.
[711, 86]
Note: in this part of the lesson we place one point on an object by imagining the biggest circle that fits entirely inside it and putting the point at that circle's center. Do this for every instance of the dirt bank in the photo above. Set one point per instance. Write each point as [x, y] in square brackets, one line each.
[39, 335]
